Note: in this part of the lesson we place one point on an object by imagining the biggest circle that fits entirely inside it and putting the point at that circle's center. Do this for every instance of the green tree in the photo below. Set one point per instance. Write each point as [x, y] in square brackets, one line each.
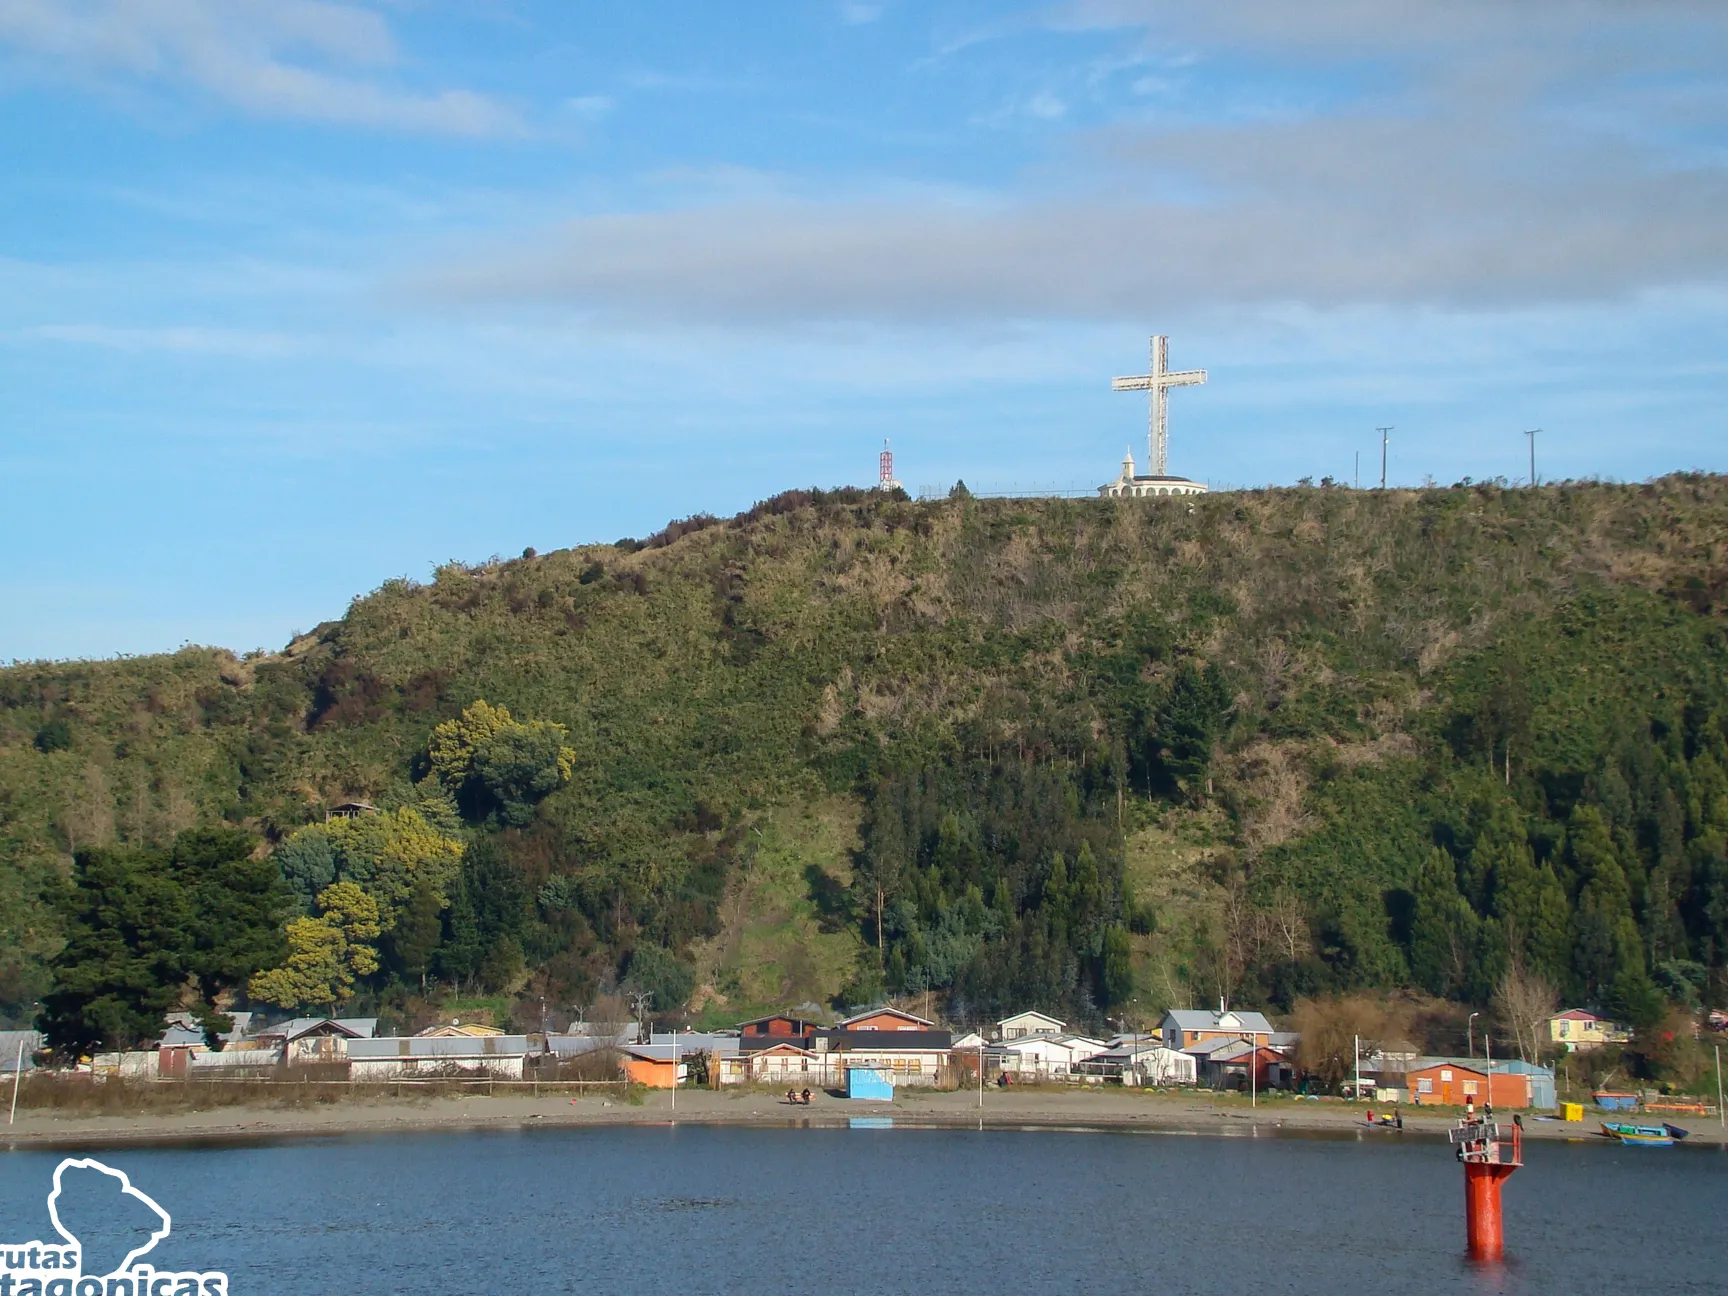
[661, 973]
[1189, 724]
[235, 908]
[127, 950]
[520, 765]
[494, 764]
[1531, 906]
[413, 942]
[1608, 953]
[1444, 931]
[326, 954]
[1116, 967]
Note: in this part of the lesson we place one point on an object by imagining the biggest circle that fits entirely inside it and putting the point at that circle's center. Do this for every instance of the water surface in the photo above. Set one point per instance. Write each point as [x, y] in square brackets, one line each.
[840, 1211]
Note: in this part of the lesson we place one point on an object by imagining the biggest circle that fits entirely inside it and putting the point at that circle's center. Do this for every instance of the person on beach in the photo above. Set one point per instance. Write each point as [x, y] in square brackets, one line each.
[806, 1097]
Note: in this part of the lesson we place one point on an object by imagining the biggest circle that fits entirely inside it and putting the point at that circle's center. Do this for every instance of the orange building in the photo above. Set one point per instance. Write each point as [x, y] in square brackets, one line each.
[886, 1019]
[651, 1065]
[1451, 1082]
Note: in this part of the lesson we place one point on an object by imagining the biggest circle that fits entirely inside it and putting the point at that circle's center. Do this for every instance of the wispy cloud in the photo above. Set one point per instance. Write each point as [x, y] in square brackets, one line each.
[855, 13]
[1473, 175]
[177, 339]
[305, 59]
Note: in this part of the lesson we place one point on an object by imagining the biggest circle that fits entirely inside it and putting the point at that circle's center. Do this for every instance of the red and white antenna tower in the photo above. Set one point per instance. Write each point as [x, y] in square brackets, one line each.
[885, 469]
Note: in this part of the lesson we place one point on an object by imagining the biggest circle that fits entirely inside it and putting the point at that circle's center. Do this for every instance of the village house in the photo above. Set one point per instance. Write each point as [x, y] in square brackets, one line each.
[455, 1029]
[792, 1050]
[658, 1066]
[1029, 1023]
[1185, 1027]
[1451, 1082]
[1141, 1062]
[910, 1049]
[1224, 1063]
[1578, 1031]
[1048, 1056]
[765, 1032]
[501, 1057]
[312, 1041]
[790, 1064]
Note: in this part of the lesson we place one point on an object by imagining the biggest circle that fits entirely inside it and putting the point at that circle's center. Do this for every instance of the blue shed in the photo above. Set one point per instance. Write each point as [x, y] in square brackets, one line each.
[869, 1083]
[1541, 1080]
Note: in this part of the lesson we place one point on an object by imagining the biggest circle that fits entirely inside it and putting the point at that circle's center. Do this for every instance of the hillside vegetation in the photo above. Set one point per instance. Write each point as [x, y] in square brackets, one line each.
[1093, 756]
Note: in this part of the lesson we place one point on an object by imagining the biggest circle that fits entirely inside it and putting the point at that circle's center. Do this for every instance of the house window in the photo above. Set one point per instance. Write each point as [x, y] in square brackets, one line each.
[1469, 1088]
[1565, 1029]
[1425, 1086]
[1445, 1075]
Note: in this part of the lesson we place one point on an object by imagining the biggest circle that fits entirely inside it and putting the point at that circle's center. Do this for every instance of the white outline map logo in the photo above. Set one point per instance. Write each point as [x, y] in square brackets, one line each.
[39, 1269]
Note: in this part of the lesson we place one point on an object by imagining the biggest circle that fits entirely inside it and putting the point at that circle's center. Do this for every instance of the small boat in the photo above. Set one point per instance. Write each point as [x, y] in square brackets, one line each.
[1644, 1135]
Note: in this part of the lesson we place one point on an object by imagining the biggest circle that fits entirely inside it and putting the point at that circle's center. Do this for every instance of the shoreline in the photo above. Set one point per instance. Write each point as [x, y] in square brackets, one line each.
[1079, 1110]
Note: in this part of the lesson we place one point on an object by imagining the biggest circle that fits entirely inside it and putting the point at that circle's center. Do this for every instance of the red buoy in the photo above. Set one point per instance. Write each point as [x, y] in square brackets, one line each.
[1490, 1154]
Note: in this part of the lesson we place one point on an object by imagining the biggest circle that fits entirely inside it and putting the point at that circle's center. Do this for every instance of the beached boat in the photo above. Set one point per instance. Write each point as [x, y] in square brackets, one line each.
[1643, 1135]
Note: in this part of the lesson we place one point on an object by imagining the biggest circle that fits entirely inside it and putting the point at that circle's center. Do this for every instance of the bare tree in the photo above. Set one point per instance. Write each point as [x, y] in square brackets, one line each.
[1524, 1001]
[1243, 931]
[1330, 1029]
[1289, 926]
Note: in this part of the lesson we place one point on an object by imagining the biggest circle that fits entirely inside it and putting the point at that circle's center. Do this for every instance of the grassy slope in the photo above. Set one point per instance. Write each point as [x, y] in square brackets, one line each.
[738, 675]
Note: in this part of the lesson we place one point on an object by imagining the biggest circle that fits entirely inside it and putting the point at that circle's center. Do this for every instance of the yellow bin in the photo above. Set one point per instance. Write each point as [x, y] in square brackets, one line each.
[1572, 1111]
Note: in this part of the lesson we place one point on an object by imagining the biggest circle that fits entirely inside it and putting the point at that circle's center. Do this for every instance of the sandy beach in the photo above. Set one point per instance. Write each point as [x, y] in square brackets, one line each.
[1102, 1109]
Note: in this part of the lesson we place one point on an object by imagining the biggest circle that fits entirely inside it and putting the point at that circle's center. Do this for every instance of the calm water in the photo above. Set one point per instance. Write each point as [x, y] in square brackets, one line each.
[698, 1209]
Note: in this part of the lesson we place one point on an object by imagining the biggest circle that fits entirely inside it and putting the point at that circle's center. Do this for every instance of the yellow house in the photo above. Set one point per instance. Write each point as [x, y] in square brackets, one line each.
[1578, 1031]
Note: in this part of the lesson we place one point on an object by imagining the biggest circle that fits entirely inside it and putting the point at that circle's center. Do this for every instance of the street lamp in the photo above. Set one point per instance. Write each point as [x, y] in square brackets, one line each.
[1253, 1072]
[1470, 1034]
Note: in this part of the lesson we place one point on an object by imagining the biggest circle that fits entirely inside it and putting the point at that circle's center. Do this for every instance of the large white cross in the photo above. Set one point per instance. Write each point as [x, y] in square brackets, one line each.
[1158, 383]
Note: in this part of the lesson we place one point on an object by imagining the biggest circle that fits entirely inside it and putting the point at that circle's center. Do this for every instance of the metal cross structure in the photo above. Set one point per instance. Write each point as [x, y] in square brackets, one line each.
[1158, 382]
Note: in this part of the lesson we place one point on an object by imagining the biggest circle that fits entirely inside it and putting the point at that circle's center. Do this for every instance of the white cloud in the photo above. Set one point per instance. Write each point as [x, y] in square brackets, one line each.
[1479, 174]
[589, 108]
[1046, 106]
[177, 339]
[854, 13]
[265, 57]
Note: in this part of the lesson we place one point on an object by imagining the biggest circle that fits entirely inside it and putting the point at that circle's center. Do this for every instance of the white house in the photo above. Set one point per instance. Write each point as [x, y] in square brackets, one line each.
[787, 1063]
[1047, 1056]
[1143, 1063]
[1028, 1023]
[408, 1057]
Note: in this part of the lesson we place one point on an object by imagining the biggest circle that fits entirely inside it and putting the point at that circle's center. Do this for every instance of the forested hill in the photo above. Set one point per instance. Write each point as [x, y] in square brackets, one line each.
[1095, 756]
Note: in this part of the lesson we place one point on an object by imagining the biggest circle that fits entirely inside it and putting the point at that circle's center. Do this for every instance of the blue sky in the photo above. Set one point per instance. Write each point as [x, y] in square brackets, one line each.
[297, 296]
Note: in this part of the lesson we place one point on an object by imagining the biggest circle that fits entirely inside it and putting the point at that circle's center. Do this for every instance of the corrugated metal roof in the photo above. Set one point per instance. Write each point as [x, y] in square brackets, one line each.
[1205, 1019]
[455, 1046]
[577, 1045]
[720, 1043]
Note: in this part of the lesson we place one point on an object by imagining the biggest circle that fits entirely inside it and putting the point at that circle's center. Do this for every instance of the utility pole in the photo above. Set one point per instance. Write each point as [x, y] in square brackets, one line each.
[1470, 1034]
[18, 1076]
[1385, 436]
[1532, 435]
[1356, 476]
[1721, 1113]
[1356, 1066]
